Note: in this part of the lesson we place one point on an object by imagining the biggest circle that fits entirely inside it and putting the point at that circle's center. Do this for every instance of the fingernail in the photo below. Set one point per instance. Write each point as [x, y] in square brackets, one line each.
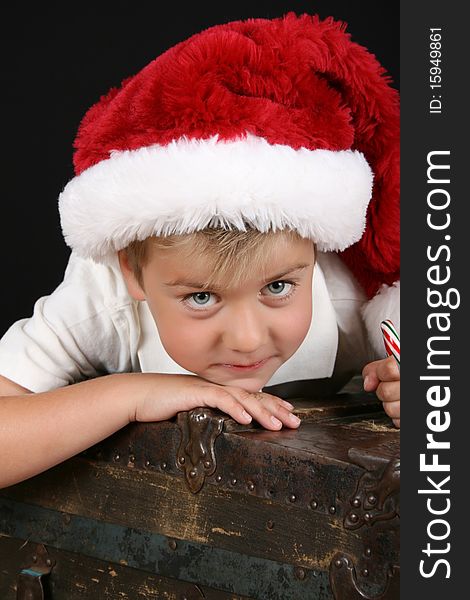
[246, 416]
[294, 419]
[276, 422]
[366, 382]
[288, 404]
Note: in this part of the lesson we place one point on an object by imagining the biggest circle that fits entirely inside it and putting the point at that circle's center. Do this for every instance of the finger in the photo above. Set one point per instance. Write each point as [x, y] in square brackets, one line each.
[370, 369]
[370, 383]
[243, 406]
[261, 407]
[389, 391]
[281, 409]
[277, 411]
[396, 422]
[392, 409]
[287, 418]
[268, 410]
[221, 398]
[380, 370]
[387, 369]
[369, 374]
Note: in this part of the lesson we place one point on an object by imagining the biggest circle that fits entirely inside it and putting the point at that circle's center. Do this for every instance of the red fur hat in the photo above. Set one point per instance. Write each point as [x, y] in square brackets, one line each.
[282, 123]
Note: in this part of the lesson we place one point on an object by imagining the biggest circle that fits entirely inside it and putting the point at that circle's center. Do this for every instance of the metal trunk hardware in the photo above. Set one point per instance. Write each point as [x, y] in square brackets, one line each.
[378, 491]
[196, 456]
[344, 583]
[30, 582]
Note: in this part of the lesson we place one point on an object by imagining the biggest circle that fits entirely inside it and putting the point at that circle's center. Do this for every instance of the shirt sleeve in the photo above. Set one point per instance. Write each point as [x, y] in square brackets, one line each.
[82, 330]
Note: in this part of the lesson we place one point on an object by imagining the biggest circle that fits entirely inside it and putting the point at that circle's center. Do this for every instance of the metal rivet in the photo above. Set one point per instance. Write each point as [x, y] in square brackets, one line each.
[251, 486]
[365, 572]
[299, 573]
[164, 465]
[292, 498]
[314, 504]
[270, 524]
[356, 503]
[367, 516]
[35, 558]
[338, 563]
[131, 458]
[207, 464]
[182, 460]
[147, 463]
[332, 509]
[353, 518]
[117, 457]
[367, 551]
[172, 544]
[372, 499]
[193, 473]
[48, 562]
[218, 478]
[233, 481]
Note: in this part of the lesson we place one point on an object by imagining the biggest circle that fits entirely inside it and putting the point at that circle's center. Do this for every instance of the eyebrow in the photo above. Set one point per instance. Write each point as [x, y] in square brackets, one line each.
[198, 285]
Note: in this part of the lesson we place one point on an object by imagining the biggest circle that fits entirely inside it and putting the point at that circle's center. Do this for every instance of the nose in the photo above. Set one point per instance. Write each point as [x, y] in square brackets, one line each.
[245, 329]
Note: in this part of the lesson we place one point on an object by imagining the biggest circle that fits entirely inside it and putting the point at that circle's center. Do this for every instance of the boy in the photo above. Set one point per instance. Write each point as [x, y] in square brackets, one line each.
[212, 192]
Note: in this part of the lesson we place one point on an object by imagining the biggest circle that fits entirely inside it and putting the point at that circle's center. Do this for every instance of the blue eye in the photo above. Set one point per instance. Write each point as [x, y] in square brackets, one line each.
[200, 300]
[280, 288]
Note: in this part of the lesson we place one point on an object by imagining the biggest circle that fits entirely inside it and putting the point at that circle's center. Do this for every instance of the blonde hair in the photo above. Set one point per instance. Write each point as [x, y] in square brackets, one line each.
[230, 253]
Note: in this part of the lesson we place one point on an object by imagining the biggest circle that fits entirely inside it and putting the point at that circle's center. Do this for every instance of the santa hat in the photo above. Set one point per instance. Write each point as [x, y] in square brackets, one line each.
[274, 124]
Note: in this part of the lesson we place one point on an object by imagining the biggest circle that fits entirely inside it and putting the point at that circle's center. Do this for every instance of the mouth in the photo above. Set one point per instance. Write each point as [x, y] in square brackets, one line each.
[243, 368]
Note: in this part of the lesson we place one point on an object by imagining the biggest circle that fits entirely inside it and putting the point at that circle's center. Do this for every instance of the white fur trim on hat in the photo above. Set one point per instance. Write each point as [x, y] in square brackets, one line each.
[384, 305]
[191, 184]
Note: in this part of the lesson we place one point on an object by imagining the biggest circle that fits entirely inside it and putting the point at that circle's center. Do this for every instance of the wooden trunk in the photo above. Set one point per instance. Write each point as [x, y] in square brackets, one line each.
[202, 507]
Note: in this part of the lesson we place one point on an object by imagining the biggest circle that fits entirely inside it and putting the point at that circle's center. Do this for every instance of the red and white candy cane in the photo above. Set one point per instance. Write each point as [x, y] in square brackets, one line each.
[391, 339]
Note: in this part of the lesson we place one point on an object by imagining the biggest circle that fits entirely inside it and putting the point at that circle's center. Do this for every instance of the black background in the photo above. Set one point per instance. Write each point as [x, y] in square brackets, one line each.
[58, 58]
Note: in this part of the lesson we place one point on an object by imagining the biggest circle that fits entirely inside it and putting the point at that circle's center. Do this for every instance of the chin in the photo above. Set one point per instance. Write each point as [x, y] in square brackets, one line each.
[249, 385]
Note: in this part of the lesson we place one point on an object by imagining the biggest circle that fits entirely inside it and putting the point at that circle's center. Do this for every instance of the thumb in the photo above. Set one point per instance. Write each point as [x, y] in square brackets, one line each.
[371, 379]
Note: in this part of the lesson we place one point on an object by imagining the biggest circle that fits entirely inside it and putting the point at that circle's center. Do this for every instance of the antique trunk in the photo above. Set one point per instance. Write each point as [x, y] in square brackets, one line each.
[202, 507]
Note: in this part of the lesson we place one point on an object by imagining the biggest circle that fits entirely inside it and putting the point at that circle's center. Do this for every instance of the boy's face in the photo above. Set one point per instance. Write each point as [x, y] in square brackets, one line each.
[237, 335]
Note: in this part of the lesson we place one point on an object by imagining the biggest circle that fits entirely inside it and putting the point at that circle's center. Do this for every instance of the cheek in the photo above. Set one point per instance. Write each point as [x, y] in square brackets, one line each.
[186, 340]
[295, 323]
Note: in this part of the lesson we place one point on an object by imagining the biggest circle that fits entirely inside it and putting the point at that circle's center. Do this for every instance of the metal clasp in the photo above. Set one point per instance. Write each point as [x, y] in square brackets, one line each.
[29, 586]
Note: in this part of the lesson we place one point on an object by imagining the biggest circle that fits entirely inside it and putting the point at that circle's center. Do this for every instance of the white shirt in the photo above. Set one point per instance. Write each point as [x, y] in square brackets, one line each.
[90, 326]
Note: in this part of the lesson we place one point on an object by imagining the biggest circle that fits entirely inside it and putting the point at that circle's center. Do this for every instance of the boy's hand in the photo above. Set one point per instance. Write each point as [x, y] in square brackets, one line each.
[169, 394]
[383, 378]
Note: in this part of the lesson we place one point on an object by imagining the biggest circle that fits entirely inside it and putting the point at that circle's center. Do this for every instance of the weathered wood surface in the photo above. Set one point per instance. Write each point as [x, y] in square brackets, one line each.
[282, 504]
[79, 577]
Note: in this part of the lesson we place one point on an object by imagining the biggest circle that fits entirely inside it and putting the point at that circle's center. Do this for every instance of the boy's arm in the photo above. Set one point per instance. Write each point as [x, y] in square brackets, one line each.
[38, 431]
